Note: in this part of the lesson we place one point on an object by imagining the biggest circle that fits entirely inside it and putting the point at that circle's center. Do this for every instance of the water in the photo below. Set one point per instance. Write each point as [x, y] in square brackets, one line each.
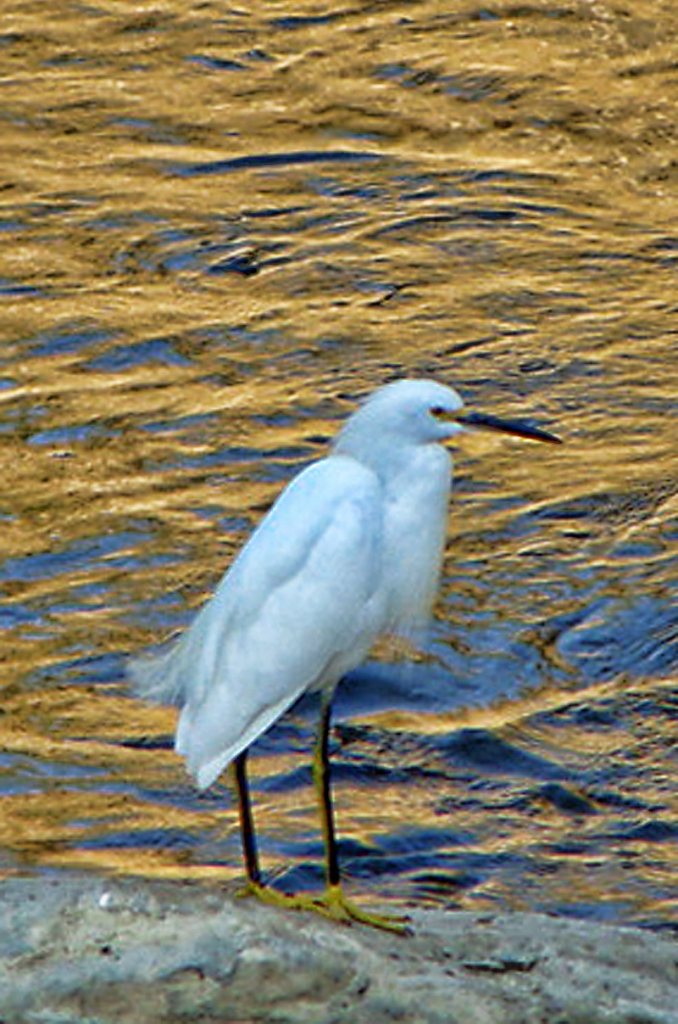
[221, 228]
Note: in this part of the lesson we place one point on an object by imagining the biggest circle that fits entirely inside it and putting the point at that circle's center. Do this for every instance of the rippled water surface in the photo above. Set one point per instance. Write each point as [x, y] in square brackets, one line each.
[223, 226]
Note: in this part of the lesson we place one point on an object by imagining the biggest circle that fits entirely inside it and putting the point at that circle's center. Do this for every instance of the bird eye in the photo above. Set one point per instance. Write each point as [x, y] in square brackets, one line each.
[438, 410]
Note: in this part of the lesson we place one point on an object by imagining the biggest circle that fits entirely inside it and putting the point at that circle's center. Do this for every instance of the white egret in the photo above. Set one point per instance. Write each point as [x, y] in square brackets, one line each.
[351, 549]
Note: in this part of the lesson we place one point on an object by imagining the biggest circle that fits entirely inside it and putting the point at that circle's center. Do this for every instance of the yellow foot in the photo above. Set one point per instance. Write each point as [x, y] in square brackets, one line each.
[333, 905]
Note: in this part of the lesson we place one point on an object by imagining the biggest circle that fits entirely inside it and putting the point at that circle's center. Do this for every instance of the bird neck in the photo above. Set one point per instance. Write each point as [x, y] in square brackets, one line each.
[388, 458]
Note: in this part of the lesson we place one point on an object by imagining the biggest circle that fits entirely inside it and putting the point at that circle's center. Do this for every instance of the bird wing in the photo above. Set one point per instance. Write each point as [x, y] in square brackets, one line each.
[299, 607]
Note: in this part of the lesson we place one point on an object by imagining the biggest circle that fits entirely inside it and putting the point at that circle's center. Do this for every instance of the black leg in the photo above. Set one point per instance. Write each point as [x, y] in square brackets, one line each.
[249, 843]
[333, 904]
[321, 776]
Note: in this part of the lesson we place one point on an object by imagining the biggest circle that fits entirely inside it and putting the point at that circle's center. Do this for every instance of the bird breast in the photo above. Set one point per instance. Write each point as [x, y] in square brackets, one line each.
[415, 522]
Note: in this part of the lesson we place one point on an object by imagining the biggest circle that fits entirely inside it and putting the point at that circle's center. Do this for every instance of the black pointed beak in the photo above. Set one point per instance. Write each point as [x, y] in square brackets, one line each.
[486, 422]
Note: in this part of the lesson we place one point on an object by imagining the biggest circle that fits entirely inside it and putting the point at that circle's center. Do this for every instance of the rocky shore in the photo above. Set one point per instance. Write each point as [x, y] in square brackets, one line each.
[88, 950]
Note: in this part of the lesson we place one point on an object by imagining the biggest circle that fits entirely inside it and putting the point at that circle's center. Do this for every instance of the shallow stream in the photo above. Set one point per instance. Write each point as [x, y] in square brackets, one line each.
[223, 226]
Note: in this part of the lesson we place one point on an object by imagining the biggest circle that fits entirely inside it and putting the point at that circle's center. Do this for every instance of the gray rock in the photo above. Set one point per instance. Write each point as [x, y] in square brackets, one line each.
[82, 950]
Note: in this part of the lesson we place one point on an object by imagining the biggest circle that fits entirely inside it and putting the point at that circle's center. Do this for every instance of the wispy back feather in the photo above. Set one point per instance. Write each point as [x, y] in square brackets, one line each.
[161, 678]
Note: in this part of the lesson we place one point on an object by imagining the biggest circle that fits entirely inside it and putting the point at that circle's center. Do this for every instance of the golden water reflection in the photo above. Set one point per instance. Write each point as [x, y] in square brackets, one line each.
[222, 227]
[102, 792]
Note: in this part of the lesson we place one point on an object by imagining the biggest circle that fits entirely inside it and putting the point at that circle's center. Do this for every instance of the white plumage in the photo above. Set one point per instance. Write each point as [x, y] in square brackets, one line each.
[351, 549]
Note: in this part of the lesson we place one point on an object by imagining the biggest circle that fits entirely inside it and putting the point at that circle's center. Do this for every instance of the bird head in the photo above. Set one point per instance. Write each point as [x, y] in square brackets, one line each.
[414, 412]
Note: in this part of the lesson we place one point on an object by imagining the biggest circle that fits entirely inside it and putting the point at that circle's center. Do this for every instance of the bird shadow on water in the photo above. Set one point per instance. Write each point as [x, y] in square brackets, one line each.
[430, 853]
[554, 800]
